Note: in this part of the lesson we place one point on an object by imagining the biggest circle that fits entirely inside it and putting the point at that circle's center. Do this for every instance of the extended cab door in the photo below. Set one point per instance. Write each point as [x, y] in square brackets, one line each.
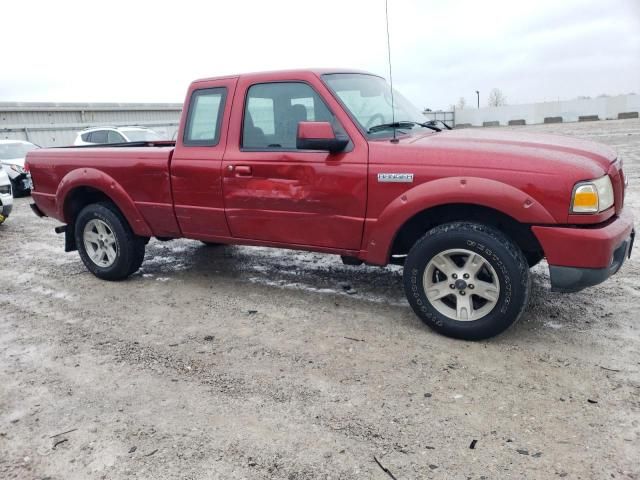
[197, 160]
[274, 192]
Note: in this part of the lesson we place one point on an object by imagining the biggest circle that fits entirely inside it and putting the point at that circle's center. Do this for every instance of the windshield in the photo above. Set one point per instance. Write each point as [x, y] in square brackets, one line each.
[368, 99]
[141, 135]
[15, 150]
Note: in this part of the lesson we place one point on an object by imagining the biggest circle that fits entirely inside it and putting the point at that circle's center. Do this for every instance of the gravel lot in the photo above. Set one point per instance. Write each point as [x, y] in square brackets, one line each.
[240, 362]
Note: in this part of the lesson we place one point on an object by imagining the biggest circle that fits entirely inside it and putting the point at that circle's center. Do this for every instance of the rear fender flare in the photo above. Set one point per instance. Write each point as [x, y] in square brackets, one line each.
[93, 178]
[380, 233]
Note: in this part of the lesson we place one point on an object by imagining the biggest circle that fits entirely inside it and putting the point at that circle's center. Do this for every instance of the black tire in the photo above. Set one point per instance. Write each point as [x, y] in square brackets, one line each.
[129, 247]
[501, 254]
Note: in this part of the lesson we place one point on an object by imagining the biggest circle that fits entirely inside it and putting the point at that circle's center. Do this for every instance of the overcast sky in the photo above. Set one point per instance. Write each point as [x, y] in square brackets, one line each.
[137, 51]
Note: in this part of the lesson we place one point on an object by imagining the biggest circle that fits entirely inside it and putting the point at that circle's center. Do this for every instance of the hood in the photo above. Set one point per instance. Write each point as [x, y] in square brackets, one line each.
[512, 150]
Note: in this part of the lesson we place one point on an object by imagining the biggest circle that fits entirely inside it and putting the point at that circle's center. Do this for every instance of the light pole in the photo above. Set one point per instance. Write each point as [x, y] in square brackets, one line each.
[478, 94]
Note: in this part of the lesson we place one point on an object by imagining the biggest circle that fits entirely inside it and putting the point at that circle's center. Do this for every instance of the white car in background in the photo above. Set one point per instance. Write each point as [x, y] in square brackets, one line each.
[12, 154]
[6, 197]
[106, 135]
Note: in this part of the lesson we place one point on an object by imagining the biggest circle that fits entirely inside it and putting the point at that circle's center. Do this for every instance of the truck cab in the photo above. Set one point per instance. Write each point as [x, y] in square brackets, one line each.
[265, 188]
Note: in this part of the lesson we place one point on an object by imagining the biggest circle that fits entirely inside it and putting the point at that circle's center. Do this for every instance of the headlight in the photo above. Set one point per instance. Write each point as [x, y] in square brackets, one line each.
[593, 196]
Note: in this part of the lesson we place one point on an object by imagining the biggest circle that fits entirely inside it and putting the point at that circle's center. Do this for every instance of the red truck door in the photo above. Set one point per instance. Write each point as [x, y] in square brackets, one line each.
[278, 194]
[197, 160]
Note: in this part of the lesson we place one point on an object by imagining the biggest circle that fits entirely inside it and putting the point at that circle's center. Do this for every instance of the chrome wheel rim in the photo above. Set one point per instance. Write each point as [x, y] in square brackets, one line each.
[100, 243]
[461, 285]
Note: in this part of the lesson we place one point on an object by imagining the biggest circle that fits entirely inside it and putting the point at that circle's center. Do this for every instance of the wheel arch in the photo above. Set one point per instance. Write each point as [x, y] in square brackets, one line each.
[416, 226]
[425, 206]
[82, 187]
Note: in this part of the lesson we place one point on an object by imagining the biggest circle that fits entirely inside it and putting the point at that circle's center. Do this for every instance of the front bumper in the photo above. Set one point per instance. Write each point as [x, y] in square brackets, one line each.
[584, 256]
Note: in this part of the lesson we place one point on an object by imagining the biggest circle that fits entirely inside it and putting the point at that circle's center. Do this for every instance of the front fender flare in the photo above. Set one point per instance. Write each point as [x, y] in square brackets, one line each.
[381, 232]
[93, 178]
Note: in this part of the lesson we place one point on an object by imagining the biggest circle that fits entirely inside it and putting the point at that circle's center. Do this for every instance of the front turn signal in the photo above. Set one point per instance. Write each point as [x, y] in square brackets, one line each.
[585, 199]
[593, 196]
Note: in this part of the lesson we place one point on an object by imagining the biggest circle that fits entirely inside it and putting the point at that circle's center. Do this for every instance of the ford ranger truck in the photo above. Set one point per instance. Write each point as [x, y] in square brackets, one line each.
[317, 160]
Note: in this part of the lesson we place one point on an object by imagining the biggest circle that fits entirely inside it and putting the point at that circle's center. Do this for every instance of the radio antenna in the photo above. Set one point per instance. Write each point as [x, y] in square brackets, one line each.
[393, 110]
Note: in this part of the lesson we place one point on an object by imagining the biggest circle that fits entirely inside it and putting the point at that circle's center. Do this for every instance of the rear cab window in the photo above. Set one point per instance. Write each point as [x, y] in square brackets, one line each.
[204, 118]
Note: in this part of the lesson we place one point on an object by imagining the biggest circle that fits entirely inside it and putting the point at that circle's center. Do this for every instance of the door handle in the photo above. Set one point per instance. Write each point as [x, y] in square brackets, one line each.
[243, 170]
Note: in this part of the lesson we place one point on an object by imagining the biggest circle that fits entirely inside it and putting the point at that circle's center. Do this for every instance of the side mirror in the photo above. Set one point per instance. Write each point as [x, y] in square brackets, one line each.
[319, 136]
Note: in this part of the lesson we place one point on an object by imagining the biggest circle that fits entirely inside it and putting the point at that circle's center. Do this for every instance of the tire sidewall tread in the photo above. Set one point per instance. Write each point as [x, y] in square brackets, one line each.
[504, 256]
[130, 248]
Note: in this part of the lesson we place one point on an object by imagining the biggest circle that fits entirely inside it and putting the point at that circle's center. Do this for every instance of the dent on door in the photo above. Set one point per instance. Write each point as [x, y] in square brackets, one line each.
[308, 203]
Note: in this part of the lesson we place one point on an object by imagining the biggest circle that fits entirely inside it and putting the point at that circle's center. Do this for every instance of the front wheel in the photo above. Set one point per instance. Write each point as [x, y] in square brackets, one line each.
[467, 280]
[107, 245]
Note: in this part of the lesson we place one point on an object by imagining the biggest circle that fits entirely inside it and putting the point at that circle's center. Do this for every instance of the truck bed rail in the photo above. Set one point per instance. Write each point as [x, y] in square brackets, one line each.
[158, 143]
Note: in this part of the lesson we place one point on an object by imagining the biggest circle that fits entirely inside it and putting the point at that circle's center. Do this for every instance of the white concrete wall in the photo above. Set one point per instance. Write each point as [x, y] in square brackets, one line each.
[605, 108]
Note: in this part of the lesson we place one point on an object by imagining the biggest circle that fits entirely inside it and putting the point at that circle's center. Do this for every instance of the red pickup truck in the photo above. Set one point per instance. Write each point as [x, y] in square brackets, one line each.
[317, 160]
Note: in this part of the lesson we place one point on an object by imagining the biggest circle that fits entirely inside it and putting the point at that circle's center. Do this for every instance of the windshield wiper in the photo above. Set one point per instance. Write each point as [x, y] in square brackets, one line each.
[402, 124]
[433, 122]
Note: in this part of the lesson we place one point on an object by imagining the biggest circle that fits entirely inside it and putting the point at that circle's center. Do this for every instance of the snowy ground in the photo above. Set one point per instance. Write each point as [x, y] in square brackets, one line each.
[241, 362]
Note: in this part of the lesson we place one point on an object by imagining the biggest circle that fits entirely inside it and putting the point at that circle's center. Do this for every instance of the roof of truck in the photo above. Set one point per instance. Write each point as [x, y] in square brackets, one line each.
[286, 73]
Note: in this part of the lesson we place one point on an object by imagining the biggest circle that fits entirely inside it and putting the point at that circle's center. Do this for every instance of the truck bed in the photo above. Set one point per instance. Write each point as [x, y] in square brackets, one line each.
[139, 170]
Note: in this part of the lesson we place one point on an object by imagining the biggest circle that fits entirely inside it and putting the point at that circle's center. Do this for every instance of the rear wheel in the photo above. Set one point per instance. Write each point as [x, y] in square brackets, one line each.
[107, 245]
[467, 280]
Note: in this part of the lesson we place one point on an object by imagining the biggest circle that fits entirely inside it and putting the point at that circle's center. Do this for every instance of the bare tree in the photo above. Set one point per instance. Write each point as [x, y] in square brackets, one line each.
[497, 98]
[461, 103]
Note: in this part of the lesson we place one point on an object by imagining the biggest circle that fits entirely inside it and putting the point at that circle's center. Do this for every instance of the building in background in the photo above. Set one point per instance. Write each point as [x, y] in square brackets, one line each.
[57, 124]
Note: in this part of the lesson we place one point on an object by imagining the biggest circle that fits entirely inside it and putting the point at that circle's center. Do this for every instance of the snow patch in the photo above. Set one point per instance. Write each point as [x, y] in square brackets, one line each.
[309, 288]
[554, 325]
[47, 292]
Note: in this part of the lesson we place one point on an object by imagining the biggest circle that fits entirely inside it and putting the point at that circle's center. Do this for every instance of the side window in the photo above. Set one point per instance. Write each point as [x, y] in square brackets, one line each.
[114, 137]
[205, 117]
[99, 136]
[273, 111]
[261, 113]
[85, 137]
